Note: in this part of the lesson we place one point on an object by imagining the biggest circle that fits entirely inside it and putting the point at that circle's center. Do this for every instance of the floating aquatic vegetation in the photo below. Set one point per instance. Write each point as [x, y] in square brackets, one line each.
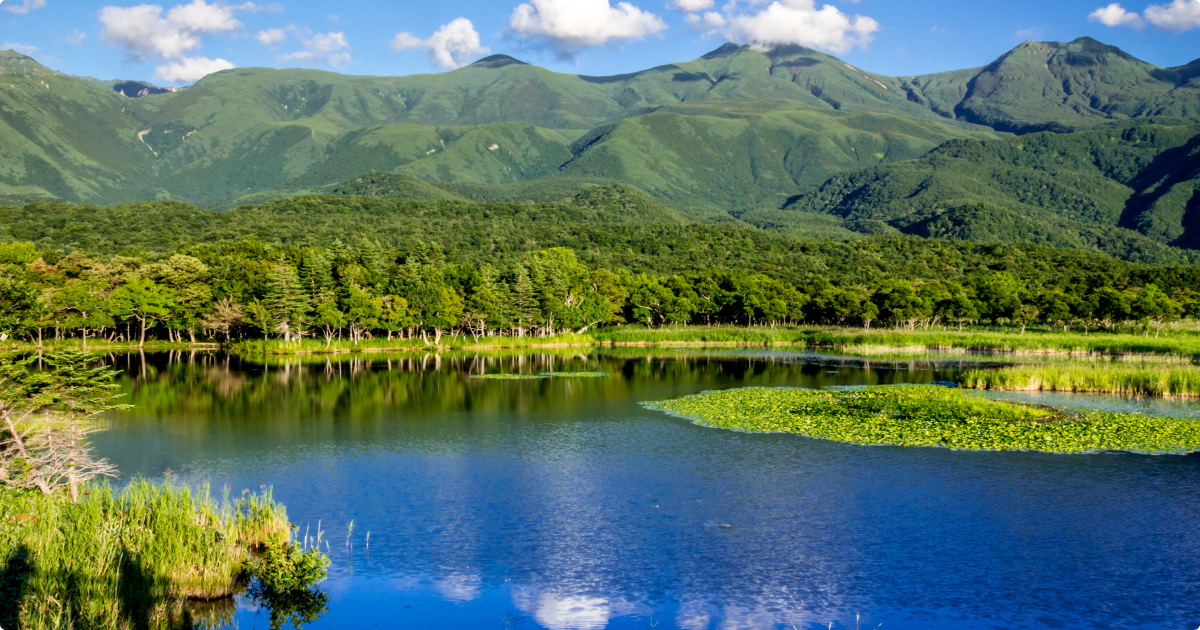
[921, 415]
[509, 377]
[575, 374]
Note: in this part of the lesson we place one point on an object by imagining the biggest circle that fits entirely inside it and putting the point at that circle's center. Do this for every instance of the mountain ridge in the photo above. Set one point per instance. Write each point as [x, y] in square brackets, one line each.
[736, 135]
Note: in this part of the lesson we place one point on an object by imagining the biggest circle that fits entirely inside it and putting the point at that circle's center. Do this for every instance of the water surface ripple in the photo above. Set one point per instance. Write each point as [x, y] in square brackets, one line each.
[564, 502]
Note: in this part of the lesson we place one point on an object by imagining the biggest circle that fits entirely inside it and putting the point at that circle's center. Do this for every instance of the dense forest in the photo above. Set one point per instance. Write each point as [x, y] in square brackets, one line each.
[560, 268]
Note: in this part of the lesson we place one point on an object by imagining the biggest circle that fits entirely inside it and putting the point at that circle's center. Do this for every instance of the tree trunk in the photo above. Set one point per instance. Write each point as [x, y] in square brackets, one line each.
[19, 441]
[84, 330]
[142, 339]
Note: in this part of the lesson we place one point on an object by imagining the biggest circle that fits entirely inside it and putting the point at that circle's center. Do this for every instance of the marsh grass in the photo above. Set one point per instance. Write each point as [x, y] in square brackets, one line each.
[575, 374]
[128, 559]
[918, 415]
[1147, 379]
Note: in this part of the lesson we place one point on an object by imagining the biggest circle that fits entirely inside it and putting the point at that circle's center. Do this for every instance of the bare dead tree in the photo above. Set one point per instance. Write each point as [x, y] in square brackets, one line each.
[46, 416]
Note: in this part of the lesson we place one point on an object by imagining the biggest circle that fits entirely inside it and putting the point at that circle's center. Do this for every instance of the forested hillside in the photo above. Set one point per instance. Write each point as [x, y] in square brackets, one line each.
[1125, 188]
[456, 279]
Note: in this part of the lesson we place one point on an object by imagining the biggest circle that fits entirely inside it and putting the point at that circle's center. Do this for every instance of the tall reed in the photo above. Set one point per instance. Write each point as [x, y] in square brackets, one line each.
[1105, 378]
[127, 559]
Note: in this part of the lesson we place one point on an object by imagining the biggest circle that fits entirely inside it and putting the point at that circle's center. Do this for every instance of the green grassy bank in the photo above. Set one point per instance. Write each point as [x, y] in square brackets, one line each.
[1179, 342]
[128, 559]
[915, 415]
[849, 339]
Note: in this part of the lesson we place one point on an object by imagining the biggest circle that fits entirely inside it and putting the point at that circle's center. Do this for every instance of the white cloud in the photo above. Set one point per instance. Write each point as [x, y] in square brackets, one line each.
[76, 38]
[145, 33]
[25, 7]
[24, 49]
[799, 22]
[569, 25]
[1179, 15]
[709, 20]
[329, 49]
[1035, 32]
[273, 36]
[691, 6]
[190, 69]
[1115, 15]
[452, 46]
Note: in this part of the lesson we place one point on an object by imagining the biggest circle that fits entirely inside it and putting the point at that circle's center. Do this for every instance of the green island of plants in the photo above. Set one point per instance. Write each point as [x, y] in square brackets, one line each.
[575, 374]
[924, 415]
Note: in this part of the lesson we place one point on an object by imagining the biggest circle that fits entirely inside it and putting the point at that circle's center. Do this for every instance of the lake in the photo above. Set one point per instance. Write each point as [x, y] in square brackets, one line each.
[561, 503]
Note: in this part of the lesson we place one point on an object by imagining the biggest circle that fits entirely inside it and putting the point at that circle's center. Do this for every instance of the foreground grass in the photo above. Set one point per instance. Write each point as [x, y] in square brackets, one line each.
[1103, 378]
[128, 559]
[922, 415]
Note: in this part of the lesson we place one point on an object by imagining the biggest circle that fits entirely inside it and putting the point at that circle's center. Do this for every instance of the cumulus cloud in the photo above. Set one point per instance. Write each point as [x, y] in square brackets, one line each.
[452, 46]
[190, 69]
[144, 32]
[25, 6]
[798, 22]
[691, 6]
[330, 49]
[1115, 15]
[24, 49]
[566, 26]
[1179, 15]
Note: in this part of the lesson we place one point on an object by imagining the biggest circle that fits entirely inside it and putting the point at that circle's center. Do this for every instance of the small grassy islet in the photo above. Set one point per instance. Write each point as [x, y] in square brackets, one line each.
[923, 415]
[534, 377]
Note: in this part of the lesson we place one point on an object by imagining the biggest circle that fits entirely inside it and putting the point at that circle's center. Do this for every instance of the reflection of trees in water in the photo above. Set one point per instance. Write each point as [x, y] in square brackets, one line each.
[361, 390]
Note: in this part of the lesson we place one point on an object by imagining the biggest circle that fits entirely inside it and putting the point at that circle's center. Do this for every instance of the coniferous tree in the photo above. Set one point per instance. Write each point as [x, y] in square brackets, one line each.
[286, 302]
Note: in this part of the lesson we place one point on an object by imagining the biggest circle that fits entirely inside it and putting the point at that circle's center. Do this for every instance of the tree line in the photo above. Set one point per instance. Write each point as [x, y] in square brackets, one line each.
[365, 291]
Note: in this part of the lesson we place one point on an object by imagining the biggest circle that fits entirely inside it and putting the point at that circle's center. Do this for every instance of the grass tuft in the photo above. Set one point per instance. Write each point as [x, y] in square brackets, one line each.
[127, 559]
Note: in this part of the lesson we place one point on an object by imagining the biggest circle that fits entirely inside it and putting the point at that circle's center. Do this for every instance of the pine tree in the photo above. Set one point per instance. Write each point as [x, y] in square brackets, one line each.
[524, 301]
[286, 302]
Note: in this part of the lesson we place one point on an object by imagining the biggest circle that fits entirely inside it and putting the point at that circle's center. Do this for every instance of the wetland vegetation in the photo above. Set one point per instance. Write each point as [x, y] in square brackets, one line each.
[915, 415]
[1144, 379]
[78, 553]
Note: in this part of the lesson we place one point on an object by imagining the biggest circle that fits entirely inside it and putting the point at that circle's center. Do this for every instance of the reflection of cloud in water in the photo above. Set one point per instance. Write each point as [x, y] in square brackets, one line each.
[563, 611]
[767, 613]
[459, 587]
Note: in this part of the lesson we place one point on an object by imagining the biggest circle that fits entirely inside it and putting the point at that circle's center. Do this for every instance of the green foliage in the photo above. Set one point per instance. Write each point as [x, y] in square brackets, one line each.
[915, 415]
[285, 567]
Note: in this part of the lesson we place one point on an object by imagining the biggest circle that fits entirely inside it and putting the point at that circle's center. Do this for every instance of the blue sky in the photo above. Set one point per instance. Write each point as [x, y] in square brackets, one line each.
[174, 43]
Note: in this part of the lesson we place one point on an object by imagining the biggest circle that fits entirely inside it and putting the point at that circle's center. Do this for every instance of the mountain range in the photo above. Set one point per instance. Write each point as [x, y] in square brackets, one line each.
[1076, 144]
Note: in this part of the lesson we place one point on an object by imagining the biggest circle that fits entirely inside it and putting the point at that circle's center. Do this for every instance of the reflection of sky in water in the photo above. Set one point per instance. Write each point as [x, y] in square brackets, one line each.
[568, 504]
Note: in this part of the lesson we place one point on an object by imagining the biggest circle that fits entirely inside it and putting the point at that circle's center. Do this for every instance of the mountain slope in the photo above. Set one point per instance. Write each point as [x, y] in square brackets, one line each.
[1049, 86]
[737, 131]
[1120, 188]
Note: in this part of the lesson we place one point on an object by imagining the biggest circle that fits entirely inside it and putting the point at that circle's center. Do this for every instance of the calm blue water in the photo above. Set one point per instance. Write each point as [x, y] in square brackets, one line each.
[564, 503]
